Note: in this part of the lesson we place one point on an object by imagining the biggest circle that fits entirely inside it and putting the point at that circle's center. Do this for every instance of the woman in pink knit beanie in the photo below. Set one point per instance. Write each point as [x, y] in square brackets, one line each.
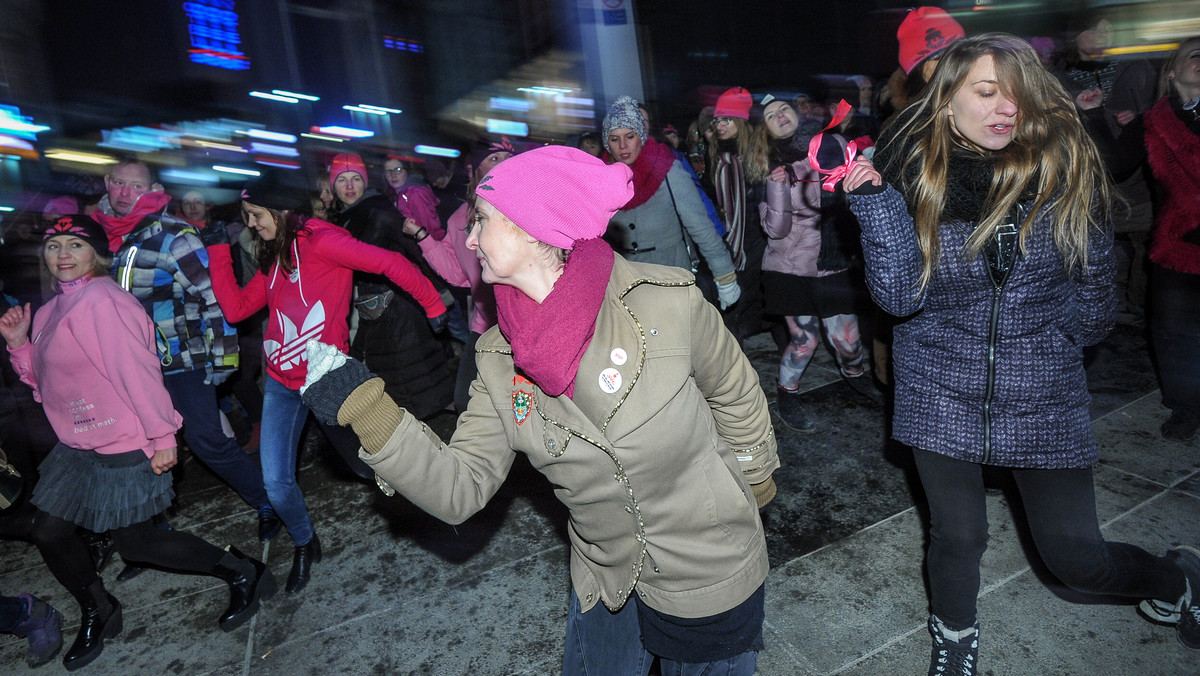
[619, 383]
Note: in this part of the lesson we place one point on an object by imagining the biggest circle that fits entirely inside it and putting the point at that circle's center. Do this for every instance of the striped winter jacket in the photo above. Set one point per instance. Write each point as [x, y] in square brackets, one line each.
[164, 265]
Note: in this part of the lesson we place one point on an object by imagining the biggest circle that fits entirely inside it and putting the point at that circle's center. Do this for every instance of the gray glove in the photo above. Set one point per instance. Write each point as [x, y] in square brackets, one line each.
[728, 294]
[332, 376]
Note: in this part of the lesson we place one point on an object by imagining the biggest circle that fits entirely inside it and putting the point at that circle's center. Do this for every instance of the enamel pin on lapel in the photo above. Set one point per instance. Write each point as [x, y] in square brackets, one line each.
[522, 399]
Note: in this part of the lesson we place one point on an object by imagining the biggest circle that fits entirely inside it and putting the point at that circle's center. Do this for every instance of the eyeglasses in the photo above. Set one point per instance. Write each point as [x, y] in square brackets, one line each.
[722, 121]
[397, 170]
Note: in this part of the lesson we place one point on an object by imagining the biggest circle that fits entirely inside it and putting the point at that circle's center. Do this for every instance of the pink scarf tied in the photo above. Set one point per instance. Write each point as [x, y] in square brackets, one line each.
[835, 175]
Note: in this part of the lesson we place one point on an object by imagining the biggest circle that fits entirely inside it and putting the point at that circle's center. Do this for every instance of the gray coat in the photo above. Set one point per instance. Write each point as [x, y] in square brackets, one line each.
[651, 232]
[1031, 408]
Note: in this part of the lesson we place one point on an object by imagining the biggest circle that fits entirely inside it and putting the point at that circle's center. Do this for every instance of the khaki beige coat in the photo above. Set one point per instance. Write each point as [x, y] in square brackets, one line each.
[655, 464]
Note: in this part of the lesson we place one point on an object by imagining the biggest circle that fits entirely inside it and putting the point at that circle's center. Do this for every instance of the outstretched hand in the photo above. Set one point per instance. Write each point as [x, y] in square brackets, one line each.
[332, 376]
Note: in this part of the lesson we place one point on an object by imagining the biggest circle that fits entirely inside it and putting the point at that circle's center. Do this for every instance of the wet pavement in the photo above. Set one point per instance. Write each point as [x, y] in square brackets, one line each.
[399, 592]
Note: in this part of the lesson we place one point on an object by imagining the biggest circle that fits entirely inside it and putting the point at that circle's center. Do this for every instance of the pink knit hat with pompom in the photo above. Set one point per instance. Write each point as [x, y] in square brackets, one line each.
[558, 194]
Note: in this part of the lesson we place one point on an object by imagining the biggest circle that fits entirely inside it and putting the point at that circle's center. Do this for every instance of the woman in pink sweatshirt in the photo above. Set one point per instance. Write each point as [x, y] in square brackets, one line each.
[304, 279]
[92, 363]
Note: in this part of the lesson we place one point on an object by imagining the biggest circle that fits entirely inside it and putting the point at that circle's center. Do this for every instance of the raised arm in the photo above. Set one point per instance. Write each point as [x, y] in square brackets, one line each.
[236, 302]
[343, 249]
[889, 241]
[14, 327]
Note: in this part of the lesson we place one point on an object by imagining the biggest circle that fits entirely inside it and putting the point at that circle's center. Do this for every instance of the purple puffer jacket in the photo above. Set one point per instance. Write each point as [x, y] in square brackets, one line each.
[1031, 409]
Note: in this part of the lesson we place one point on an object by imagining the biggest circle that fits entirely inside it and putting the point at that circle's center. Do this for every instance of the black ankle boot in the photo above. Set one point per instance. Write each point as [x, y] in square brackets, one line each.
[249, 582]
[302, 565]
[100, 618]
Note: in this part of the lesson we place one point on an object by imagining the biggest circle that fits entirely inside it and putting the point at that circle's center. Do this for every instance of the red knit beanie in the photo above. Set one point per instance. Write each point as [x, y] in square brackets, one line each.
[734, 102]
[558, 194]
[925, 32]
[347, 162]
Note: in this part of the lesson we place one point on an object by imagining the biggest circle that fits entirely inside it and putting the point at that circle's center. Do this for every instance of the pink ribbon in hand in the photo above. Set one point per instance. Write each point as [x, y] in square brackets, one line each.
[835, 175]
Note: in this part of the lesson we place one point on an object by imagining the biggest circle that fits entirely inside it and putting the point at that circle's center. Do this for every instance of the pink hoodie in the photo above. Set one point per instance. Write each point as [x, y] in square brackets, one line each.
[92, 363]
[314, 300]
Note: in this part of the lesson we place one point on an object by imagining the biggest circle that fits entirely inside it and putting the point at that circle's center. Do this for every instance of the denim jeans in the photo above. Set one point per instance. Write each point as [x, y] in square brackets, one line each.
[283, 421]
[1060, 508]
[602, 643]
[197, 403]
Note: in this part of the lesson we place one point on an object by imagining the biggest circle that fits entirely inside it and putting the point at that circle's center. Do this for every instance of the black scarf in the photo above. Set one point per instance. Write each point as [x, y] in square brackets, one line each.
[968, 177]
[795, 147]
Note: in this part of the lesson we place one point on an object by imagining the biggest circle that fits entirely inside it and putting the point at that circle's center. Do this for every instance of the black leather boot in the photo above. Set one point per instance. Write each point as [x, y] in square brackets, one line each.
[100, 618]
[302, 565]
[249, 582]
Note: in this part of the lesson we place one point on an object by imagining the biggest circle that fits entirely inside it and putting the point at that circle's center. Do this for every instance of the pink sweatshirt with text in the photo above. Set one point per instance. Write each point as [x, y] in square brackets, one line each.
[91, 361]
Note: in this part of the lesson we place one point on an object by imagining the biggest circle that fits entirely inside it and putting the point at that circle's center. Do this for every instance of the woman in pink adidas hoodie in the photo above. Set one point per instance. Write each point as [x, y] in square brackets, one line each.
[92, 363]
[304, 280]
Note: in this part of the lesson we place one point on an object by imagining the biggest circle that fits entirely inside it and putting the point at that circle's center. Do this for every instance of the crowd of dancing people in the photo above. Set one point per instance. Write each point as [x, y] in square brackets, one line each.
[950, 235]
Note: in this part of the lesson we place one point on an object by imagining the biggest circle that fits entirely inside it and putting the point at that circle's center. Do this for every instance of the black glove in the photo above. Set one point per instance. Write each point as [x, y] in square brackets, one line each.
[213, 234]
[869, 188]
[438, 323]
[326, 396]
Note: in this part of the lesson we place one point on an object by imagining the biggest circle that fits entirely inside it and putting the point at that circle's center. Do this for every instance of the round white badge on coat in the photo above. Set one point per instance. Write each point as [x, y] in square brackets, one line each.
[610, 380]
[618, 356]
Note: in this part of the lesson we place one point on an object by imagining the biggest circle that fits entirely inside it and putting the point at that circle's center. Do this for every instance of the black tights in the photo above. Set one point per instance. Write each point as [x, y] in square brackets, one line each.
[1060, 507]
[67, 556]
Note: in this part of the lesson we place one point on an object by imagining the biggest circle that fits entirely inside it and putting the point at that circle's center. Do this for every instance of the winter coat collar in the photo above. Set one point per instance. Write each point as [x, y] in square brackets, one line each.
[117, 227]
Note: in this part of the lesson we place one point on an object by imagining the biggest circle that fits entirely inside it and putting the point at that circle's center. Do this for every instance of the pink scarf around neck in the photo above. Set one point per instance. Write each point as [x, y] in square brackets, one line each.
[548, 339]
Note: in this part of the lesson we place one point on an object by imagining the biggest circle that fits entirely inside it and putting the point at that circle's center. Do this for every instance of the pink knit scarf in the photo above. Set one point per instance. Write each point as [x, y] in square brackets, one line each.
[548, 339]
[117, 227]
[649, 170]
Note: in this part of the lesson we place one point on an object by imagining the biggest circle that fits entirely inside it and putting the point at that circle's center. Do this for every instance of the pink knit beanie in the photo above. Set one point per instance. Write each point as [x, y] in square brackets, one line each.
[558, 194]
[734, 102]
[347, 162]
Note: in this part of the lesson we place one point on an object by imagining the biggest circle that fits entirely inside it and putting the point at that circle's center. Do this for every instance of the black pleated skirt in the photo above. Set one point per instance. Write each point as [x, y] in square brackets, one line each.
[101, 492]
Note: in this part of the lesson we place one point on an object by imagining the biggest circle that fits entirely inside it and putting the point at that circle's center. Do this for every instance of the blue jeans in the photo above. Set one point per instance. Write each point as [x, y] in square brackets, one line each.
[600, 642]
[197, 403]
[283, 421]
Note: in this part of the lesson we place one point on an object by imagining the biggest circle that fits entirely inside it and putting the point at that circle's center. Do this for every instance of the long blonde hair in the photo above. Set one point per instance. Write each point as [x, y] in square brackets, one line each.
[1168, 68]
[756, 159]
[1050, 152]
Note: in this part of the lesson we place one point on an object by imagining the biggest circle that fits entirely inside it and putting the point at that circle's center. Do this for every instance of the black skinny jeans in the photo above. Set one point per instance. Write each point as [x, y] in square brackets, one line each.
[67, 556]
[1060, 506]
